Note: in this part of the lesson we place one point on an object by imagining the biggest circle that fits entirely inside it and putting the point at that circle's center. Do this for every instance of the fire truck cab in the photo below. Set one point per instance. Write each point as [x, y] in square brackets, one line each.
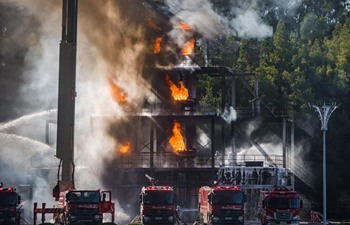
[9, 206]
[157, 205]
[87, 206]
[79, 207]
[280, 206]
[221, 204]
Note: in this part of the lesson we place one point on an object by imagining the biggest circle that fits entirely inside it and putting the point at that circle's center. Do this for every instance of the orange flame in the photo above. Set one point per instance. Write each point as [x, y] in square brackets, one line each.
[188, 48]
[184, 26]
[178, 93]
[157, 43]
[177, 141]
[117, 94]
[124, 149]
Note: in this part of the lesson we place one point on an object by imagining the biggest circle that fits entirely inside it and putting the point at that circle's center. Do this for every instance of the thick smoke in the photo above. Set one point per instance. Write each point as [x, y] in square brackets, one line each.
[109, 48]
[249, 24]
[20, 36]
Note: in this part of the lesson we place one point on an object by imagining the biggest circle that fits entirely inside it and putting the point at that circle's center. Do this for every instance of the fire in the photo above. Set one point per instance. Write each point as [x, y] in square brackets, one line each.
[184, 26]
[117, 94]
[124, 149]
[157, 44]
[188, 48]
[178, 93]
[177, 141]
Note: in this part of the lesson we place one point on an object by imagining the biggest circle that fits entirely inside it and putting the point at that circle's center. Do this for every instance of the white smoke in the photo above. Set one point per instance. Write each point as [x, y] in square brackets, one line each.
[27, 162]
[211, 24]
[229, 114]
[200, 15]
[248, 24]
[99, 59]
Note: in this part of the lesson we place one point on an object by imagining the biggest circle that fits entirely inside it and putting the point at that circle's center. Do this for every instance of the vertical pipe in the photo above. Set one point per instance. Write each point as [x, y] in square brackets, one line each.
[324, 180]
[223, 144]
[233, 144]
[151, 165]
[223, 92]
[34, 212]
[233, 131]
[292, 148]
[257, 99]
[233, 91]
[43, 212]
[207, 53]
[284, 149]
[223, 104]
[212, 145]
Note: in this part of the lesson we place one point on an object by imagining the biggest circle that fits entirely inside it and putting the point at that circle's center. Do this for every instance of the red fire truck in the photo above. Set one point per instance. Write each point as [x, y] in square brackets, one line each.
[79, 207]
[221, 204]
[280, 206]
[157, 204]
[9, 210]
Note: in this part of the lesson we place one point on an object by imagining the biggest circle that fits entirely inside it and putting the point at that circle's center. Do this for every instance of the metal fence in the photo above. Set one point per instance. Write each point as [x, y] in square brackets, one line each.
[171, 160]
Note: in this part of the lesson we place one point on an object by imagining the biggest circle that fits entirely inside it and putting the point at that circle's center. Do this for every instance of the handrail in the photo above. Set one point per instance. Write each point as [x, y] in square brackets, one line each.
[171, 160]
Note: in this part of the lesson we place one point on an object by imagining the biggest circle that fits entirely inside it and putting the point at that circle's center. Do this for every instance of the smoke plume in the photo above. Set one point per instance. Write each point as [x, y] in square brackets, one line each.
[112, 48]
[244, 19]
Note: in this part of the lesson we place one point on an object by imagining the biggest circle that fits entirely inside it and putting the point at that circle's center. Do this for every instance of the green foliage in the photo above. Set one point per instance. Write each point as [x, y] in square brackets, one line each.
[312, 27]
[210, 93]
[307, 60]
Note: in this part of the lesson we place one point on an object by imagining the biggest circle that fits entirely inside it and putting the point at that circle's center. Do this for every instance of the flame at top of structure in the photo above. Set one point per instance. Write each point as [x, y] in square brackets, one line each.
[185, 26]
[157, 45]
[177, 141]
[188, 47]
[117, 94]
[125, 149]
[178, 93]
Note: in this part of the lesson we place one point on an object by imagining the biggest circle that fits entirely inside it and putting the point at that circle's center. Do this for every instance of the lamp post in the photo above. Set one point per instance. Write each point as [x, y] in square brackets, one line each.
[325, 111]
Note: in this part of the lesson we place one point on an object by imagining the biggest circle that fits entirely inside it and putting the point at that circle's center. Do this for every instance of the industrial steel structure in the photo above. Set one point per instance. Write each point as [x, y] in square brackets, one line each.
[148, 130]
[198, 166]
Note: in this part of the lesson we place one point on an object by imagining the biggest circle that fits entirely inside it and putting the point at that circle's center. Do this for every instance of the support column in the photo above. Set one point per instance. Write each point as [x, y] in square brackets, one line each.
[223, 105]
[292, 147]
[233, 130]
[257, 99]
[212, 126]
[151, 162]
[284, 138]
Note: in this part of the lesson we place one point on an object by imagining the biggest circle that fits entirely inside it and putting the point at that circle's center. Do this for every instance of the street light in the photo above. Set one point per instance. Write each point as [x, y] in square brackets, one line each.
[325, 111]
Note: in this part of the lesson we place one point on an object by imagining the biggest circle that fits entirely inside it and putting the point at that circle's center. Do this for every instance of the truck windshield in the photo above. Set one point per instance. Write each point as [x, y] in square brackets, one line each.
[8, 199]
[227, 198]
[83, 197]
[283, 203]
[158, 198]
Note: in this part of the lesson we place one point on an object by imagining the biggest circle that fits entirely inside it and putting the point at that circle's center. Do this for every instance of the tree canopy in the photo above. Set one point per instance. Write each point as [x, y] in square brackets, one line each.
[306, 60]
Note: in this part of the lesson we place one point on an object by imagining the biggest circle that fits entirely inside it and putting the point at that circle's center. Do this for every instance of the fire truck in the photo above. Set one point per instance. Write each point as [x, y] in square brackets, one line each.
[79, 207]
[73, 206]
[221, 204]
[9, 206]
[280, 206]
[157, 204]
